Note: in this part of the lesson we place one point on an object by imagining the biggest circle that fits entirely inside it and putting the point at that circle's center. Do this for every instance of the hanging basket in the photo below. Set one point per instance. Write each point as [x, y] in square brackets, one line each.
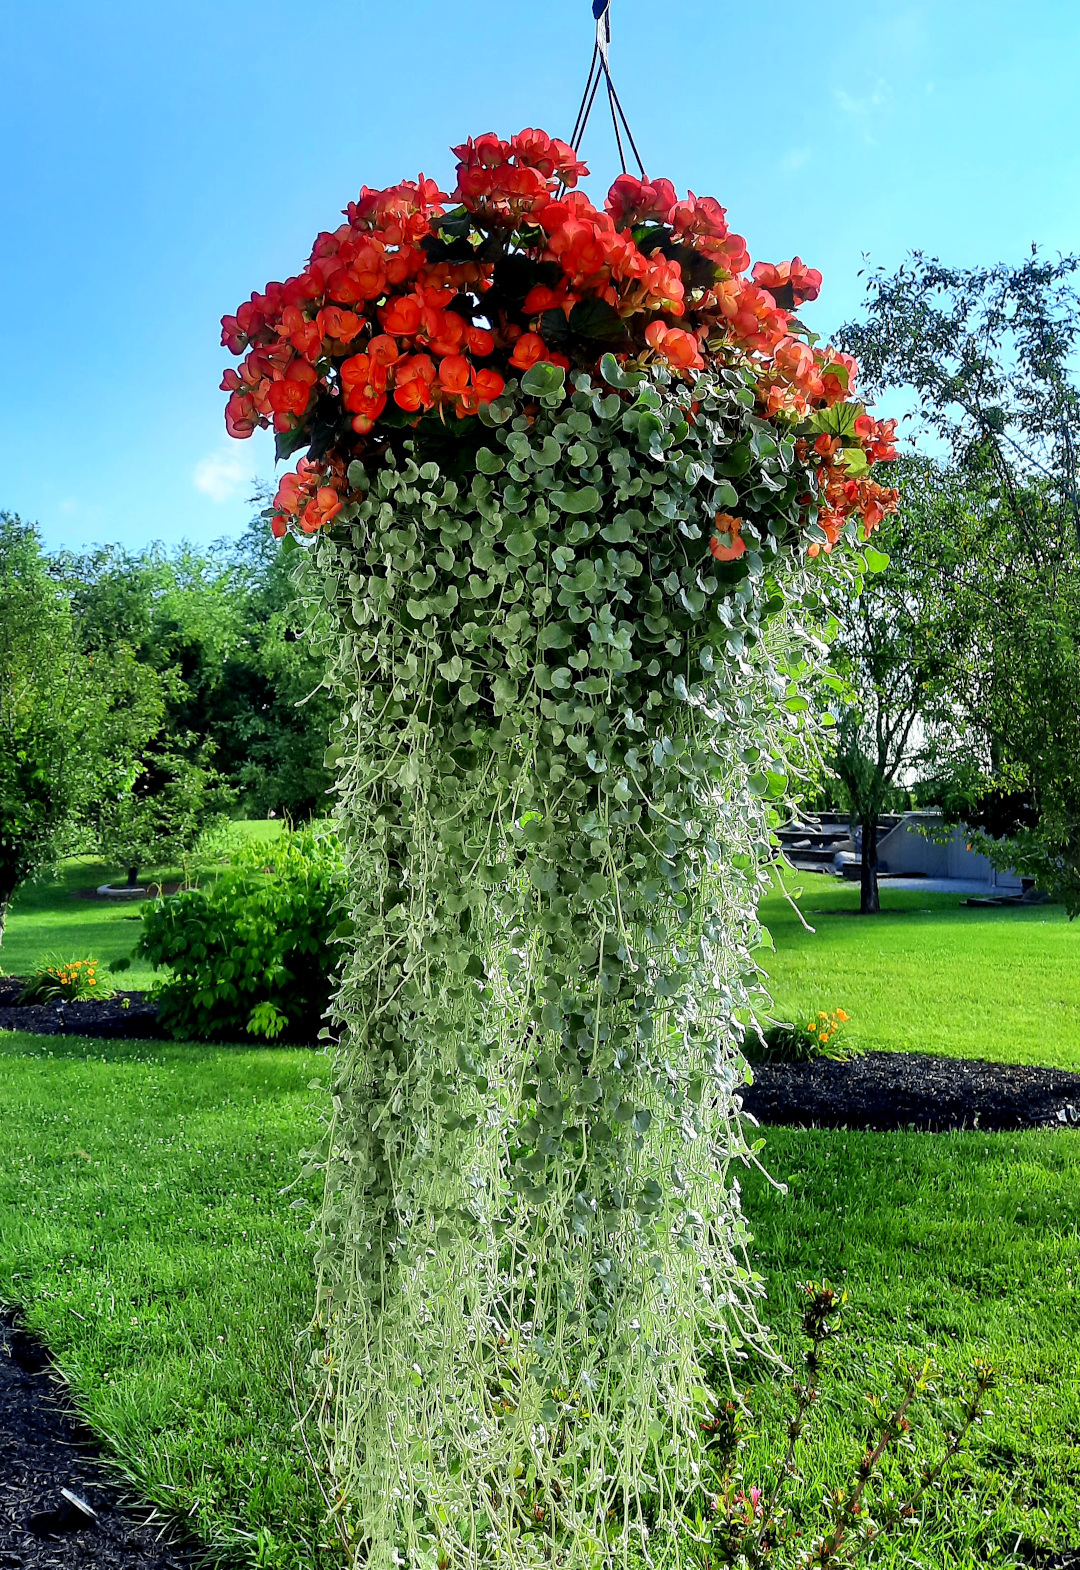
[567, 473]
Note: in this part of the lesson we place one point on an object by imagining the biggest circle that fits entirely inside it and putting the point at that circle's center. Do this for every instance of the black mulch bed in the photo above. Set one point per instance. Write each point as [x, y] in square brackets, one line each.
[891, 1090]
[125, 1014]
[44, 1450]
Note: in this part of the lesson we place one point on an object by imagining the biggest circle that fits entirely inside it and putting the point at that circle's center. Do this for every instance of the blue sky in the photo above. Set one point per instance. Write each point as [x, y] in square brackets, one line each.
[164, 160]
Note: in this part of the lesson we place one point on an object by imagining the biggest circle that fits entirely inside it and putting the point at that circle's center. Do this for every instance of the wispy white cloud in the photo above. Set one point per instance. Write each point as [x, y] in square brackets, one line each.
[795, 158]
[219, 476]
[866, 111]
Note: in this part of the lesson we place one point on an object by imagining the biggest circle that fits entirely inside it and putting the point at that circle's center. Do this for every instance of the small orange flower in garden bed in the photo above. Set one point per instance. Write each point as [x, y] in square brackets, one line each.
[76, 981]
[796, 1043]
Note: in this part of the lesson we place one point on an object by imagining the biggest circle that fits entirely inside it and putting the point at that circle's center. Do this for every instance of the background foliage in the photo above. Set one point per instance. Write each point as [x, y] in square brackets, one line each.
[221, 629]
[251, 951]
[990, 357]
[71, 726]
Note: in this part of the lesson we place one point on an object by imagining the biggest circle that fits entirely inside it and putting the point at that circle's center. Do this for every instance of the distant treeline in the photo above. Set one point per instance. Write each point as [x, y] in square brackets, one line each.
[221, 626]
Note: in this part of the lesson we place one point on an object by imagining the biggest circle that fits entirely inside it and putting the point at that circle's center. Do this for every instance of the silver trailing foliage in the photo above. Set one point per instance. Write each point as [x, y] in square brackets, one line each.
[562, 724]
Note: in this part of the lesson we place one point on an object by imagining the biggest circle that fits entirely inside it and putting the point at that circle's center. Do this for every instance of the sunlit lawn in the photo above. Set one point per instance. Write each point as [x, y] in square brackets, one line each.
[929, 975]
[145, 1235]
[953, 1246]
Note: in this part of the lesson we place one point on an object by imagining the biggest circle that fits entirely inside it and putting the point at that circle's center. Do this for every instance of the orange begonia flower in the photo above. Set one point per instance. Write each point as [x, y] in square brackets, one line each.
[541, 298]
[289, 396]
[401, 317]
[735, 545]
[678, 348]
[454, 372]
[337, 323]
[631, 201]
[529, 349]
[413, 379]
[790, 283]
[487, 385]
[480, 341]
[304, 336]
[383, 349]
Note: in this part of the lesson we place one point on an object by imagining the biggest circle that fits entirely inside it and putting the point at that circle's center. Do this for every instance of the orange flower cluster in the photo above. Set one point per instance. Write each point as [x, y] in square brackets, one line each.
[842, 494]
[826, 1025]
[307, 498]
[72, 981]
[411, 310]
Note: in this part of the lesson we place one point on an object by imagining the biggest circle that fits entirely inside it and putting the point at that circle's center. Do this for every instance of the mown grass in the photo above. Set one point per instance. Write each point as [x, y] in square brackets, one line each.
[145, 1237]
[929, 975]
[954, 1246]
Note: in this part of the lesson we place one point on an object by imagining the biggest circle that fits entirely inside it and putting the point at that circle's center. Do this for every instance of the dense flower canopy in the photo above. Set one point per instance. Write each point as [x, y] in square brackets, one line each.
[414, 311]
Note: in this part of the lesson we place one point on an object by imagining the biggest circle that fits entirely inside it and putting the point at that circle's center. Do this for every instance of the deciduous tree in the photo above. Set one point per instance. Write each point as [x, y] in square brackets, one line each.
[70, 723]
[990, 357]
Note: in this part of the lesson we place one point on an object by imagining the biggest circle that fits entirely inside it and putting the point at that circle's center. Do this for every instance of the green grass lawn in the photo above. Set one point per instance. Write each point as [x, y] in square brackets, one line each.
[49, 921]
[954, 1246]
[929, 975]
[143, 1234]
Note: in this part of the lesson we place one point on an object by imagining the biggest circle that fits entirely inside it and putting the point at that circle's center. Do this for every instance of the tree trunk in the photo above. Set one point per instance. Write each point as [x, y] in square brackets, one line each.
[3, 917]
[133, 877]
[869, 899]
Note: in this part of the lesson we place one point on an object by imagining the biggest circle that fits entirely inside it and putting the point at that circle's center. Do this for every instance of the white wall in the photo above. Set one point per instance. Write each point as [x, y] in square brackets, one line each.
[905, 850]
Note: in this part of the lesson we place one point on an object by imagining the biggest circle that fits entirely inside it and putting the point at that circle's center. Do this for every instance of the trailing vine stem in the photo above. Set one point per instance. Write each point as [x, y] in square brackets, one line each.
[564, 725]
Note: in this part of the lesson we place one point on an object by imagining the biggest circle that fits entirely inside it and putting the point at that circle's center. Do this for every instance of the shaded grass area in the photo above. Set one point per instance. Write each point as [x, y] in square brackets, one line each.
[929, 975]
[144, 1236]
[953, 1246]
[48, 921]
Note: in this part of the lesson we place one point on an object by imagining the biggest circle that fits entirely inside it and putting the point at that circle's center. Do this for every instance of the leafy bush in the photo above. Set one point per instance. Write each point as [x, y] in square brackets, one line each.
[799, 1043]
[73, 981]
[251, 951]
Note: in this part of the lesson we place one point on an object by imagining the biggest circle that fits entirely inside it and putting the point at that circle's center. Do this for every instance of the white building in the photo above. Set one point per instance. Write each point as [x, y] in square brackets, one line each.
[906, 852]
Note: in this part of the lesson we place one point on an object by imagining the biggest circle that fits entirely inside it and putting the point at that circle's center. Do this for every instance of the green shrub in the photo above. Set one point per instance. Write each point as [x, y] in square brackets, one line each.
[798, 1042]
[252, 951]
[70, 981]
